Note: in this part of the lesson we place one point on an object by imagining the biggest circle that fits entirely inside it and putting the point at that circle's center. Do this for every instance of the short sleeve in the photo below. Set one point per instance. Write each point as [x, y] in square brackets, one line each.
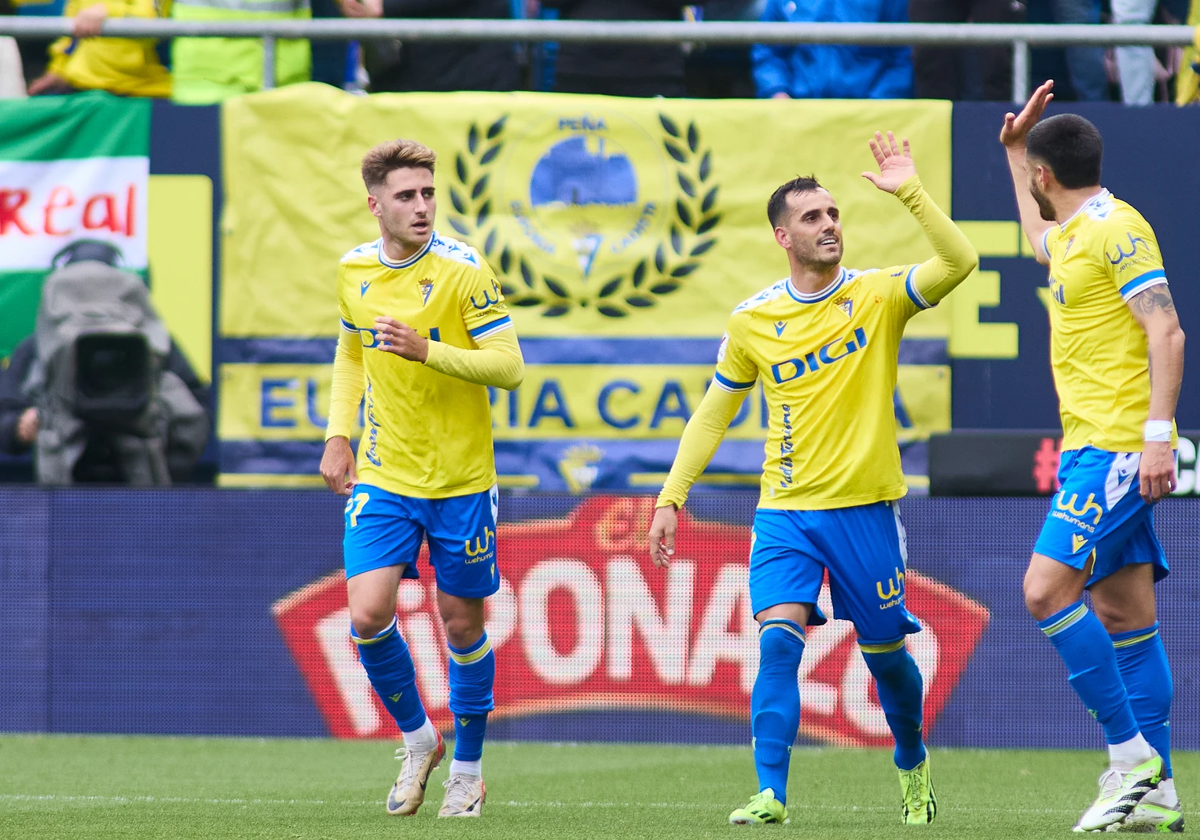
[1131, 257]
[484, 311]
[735, 372]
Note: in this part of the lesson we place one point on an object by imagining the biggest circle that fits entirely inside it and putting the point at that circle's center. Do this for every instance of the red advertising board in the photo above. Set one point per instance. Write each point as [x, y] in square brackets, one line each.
[583, 621]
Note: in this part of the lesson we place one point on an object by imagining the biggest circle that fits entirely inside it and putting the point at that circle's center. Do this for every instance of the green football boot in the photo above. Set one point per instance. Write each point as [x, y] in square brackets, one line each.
[1120, 793]
[920, 805]
[764, 808]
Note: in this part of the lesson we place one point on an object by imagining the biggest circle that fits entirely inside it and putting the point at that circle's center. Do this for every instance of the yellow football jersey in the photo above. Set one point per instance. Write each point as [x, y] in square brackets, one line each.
[1100, 258]
[425, 434]
[828, 363]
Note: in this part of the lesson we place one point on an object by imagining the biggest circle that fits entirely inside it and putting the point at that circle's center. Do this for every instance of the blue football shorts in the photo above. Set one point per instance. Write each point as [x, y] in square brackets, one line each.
[864, 550]
[1098, 520]
[386, 529]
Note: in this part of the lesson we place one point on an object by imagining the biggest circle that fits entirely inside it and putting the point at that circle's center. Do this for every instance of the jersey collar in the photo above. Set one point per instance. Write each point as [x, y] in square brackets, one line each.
[1094, 201]
[815, 297]
[408, 262]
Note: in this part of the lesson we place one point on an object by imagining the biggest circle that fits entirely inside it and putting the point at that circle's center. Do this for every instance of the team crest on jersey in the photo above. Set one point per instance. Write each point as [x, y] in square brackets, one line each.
[846, 305]
[426, 290]
[587, 209]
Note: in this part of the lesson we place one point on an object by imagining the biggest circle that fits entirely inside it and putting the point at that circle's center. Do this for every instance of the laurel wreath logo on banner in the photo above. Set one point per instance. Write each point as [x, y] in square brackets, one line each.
[686, 236]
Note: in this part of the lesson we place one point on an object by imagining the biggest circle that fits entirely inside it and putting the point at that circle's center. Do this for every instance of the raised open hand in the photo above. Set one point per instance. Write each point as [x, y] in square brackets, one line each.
[895, 166]
[1016, 126]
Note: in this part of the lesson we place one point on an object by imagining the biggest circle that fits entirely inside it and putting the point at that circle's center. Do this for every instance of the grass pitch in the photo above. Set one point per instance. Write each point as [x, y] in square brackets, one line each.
[142, 787]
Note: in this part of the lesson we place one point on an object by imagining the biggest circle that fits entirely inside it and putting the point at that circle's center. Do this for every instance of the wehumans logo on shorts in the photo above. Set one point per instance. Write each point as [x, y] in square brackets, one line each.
[1088, 506]
[895, 590]
[482, 548]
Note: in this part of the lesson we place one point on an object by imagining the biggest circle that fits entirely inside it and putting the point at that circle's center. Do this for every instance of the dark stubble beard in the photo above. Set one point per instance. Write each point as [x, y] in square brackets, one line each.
[1045, 208]
[809, 259]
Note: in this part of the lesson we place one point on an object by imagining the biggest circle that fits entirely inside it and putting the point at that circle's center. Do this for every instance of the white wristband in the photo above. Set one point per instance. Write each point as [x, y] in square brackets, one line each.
[1158, 431]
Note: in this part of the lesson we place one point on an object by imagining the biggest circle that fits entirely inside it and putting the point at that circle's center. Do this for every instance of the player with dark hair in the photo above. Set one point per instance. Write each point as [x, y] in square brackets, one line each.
[825, 342]
[424, 331]
[1116, 350]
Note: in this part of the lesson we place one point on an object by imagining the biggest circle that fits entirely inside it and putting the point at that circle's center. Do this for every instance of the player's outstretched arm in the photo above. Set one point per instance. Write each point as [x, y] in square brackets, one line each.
[701, 437]
[1012, 137]
[1154, 309]
[954, 256]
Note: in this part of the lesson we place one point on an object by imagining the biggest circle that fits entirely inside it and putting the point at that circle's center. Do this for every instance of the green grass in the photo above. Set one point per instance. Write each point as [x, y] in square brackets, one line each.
[135, 787]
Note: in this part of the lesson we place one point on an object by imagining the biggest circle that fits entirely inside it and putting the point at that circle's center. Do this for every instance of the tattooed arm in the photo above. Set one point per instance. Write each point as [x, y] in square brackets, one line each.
[1155, 311]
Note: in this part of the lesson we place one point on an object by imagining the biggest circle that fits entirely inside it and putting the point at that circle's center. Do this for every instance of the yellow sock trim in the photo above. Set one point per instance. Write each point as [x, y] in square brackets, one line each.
[887, 647]
[1136, 639]
[473, 656]
[374, 640]
[1066, 621]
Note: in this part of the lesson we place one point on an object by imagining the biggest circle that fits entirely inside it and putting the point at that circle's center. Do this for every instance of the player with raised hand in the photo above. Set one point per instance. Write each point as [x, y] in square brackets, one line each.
[825, 342]
[1116, 350]
[424, 331]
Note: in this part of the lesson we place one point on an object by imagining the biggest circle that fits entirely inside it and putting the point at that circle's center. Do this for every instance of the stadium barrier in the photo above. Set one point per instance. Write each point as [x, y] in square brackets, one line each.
[223, 613]
[984, 462]
[1021, 37]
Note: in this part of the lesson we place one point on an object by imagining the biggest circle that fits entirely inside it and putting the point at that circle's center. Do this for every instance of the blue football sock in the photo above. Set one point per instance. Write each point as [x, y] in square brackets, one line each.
[389, 666]
[472, 672]
[775, 702]
[1085, 647]
[900, 688]
[1147, 678]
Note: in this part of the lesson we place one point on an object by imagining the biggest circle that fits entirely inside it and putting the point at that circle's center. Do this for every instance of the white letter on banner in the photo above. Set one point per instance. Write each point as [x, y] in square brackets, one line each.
[501, 612]
[429, 658]
[333, 635]
[630, 603]
[581, 582]
[860, 709]
[730, 594]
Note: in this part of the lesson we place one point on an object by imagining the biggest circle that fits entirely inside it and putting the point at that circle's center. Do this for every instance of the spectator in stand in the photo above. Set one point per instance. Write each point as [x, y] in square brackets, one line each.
[127, 66]
[210, 70]
[1135, 65]
[440, 65]
[1085, 65]
[723, 72]
[619, 69]
[12, 79]
[1187, 85]
[1138, 68]
[819, 71]
[939, 72]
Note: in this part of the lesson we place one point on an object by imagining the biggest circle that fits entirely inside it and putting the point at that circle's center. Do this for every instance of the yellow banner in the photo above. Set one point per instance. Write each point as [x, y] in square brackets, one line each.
[275, 402]
[624, 231]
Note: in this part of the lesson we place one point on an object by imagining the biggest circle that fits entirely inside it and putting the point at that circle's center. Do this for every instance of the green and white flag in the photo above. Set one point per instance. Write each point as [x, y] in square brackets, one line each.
[72, 168]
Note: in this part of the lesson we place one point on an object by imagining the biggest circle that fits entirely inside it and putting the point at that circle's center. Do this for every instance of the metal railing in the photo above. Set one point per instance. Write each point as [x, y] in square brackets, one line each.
[1020, 37]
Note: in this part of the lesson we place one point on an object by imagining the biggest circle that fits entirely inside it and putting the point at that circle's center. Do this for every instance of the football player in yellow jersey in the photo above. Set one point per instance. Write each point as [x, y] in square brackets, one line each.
[424, 330]
[1116, 350]
[825, 343]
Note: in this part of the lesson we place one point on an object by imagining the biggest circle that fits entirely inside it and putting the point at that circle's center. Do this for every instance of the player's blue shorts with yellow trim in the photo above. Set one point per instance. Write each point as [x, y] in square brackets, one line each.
[386, 529]
[864, 549]
[1098, 520]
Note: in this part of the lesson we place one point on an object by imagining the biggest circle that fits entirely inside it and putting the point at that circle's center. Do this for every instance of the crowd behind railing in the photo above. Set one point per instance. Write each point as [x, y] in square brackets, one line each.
[202, 70]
